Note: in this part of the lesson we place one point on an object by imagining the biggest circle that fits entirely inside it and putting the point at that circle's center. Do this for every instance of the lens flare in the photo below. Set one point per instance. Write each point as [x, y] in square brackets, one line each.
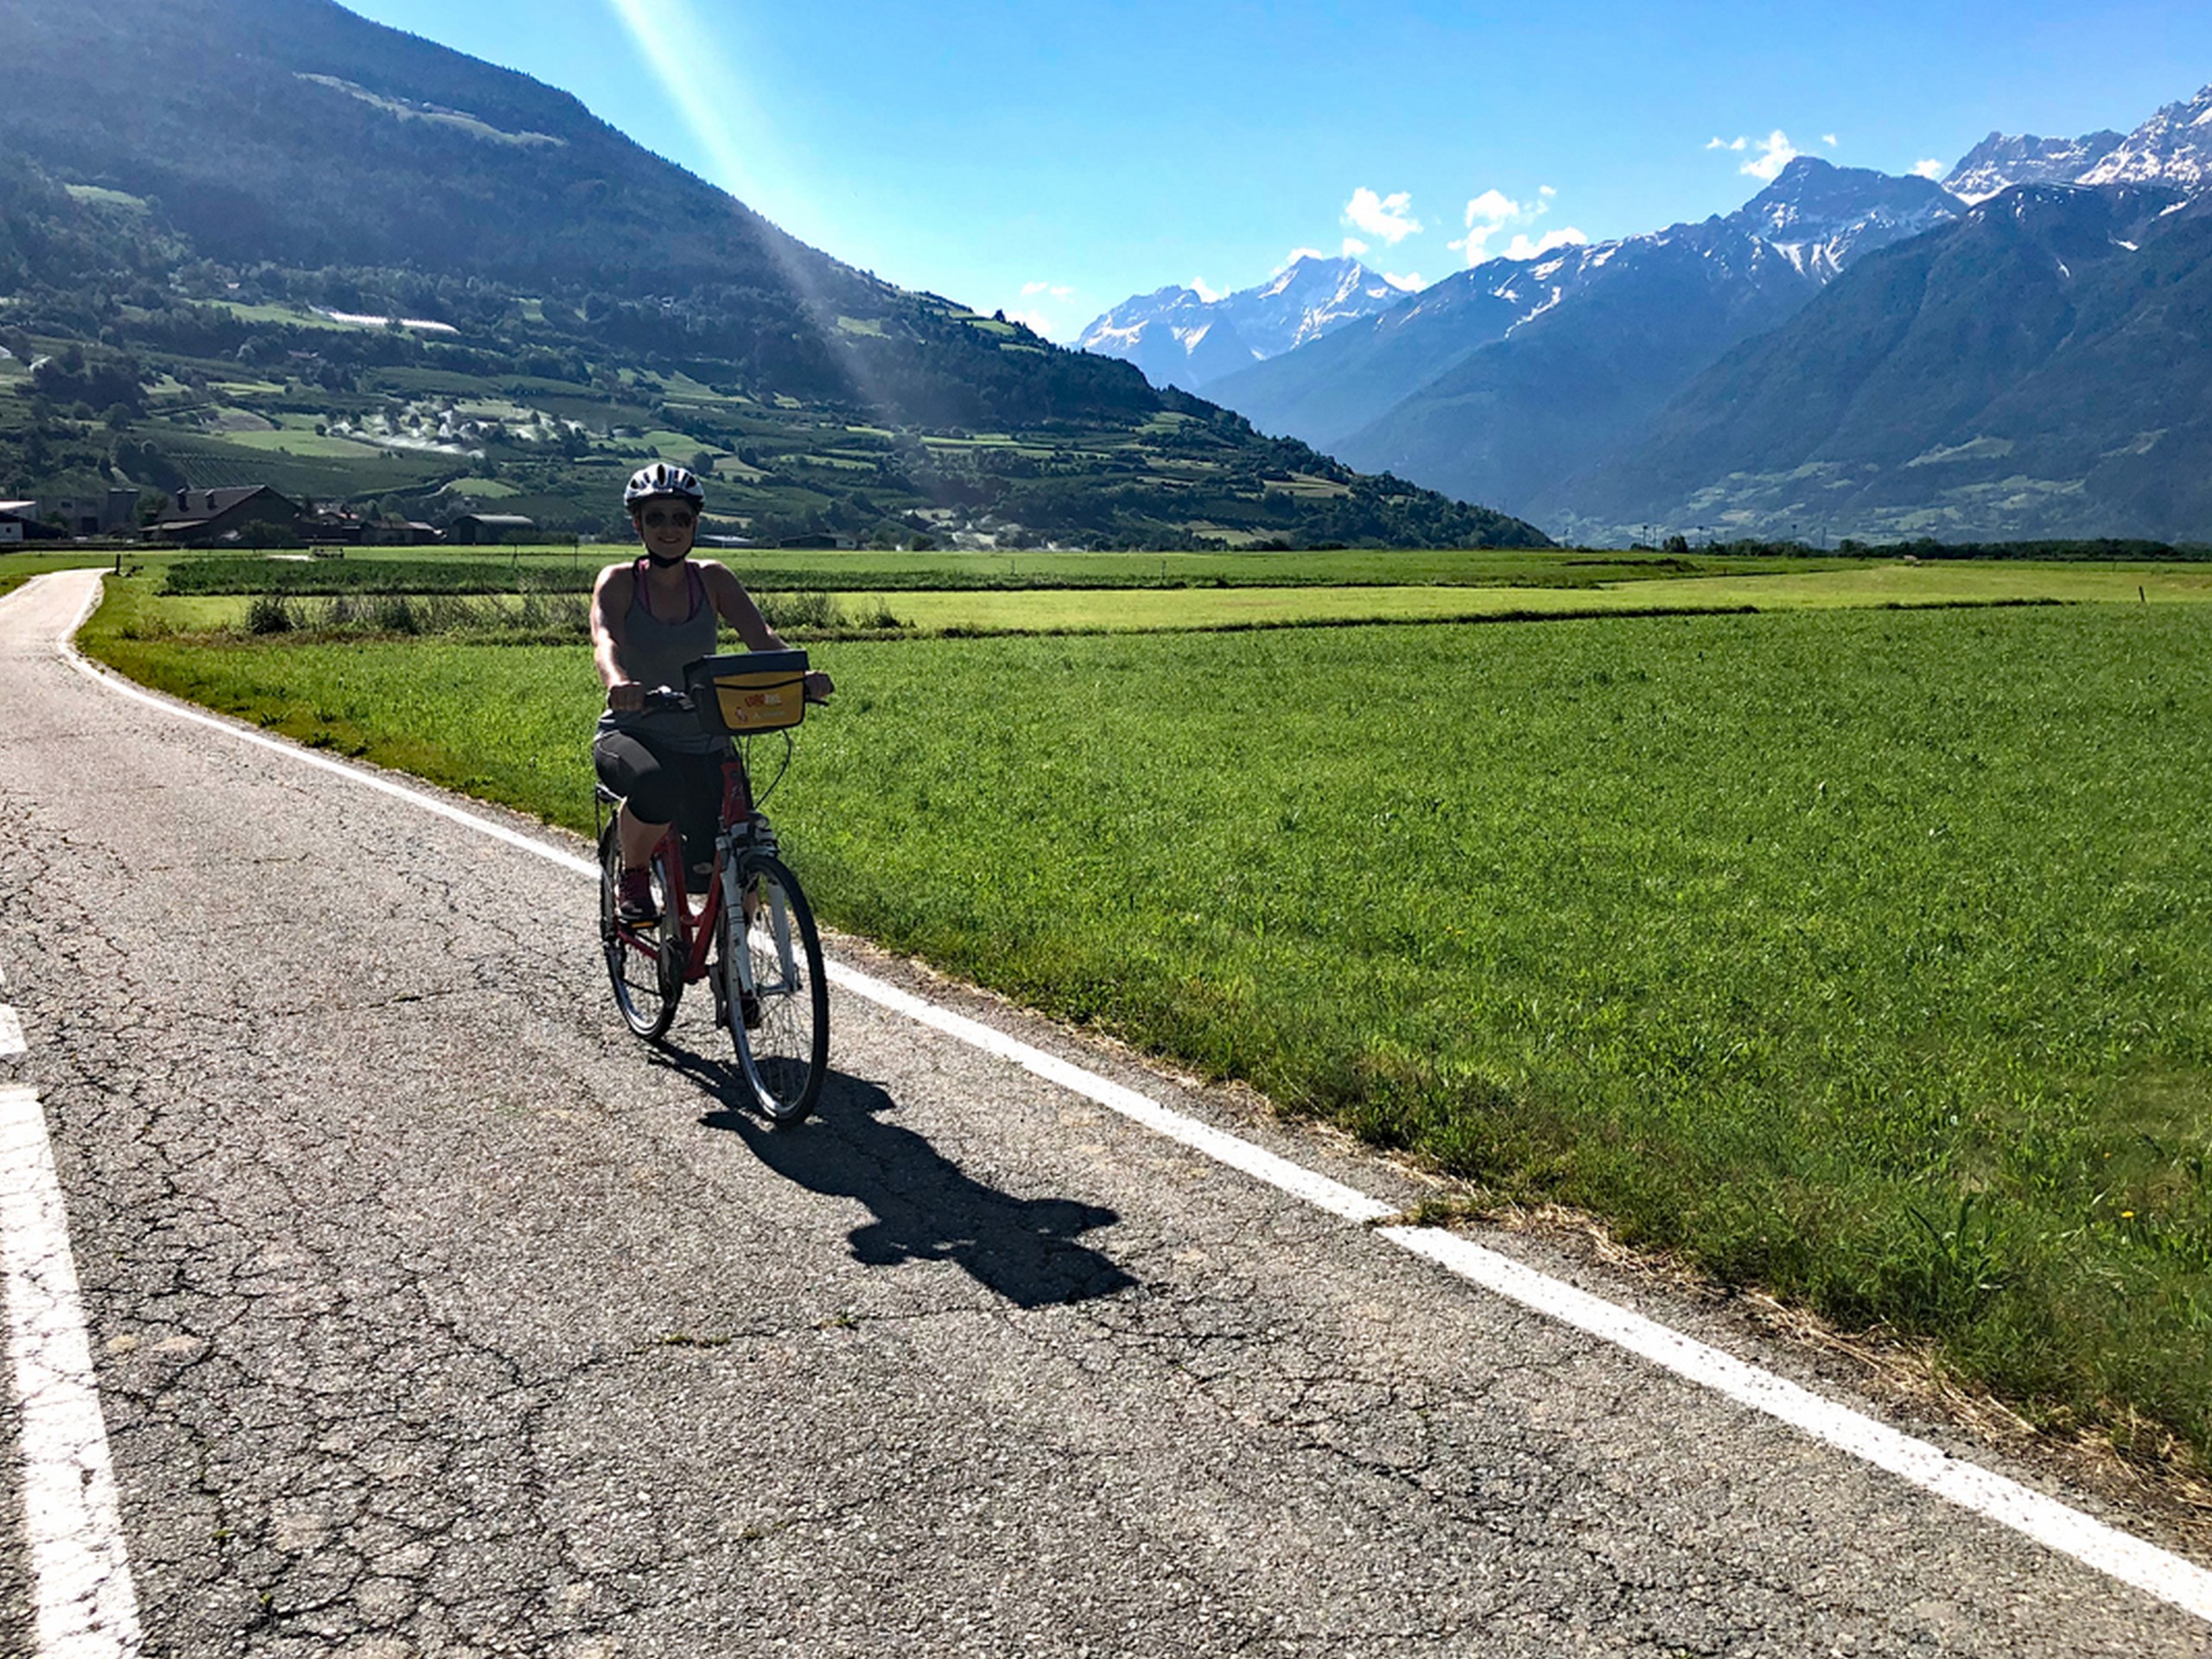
[669, 36]
[680, 53]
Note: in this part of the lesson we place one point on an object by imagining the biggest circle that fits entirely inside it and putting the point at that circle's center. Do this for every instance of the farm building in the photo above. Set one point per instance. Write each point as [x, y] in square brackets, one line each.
[409, 533]
[252, 513]
[329, 526]
[478, 529]
[98, 515]
[20, 523]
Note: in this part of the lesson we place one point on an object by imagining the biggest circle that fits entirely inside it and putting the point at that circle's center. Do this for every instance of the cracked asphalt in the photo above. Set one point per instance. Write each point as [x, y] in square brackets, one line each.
[434, 1314]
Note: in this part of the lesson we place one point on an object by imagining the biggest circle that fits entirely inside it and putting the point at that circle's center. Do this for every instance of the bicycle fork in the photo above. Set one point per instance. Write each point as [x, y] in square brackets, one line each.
[747, 906]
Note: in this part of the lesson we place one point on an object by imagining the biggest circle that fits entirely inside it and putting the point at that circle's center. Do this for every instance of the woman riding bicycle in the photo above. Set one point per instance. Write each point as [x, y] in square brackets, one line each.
[649, 618]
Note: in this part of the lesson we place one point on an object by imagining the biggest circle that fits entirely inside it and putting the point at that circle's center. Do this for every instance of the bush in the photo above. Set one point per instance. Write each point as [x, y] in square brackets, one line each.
[394, 613]
[269, 613]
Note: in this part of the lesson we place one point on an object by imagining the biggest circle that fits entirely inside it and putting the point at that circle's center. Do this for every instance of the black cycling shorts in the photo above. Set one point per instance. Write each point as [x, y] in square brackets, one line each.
[664, 785]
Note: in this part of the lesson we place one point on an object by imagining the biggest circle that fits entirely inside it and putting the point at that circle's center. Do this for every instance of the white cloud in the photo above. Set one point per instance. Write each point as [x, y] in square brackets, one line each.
[1294, 256]
[1411, 283]
[1031, 290]
[1522, 248]
[1828, 138]
[1385, 217]
[1036, 321]
[1493, 212]
[1776, 152]
[1930, 169]
[1199, 286]
[1354, 248]
[1724, 143]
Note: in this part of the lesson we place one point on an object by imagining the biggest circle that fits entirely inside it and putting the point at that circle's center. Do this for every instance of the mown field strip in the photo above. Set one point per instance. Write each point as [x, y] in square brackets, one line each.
[2055, 1525]
[1150, 610]
[1166, 610]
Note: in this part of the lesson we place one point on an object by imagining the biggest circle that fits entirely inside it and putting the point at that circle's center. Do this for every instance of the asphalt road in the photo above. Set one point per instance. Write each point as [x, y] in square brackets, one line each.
[432, 1314]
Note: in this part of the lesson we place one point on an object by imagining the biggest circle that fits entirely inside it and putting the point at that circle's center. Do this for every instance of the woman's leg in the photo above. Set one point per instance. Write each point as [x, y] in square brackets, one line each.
[652, 791]
[636, 836]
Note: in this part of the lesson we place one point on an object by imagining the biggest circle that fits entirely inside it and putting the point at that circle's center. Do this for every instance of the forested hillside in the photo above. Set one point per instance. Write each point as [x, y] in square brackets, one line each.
[209, 208]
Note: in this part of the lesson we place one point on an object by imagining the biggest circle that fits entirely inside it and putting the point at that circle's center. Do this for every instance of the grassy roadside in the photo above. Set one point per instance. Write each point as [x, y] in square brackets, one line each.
[1854, 955]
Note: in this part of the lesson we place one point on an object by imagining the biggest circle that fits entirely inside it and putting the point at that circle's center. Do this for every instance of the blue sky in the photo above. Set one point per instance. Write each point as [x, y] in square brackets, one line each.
[1053, 159]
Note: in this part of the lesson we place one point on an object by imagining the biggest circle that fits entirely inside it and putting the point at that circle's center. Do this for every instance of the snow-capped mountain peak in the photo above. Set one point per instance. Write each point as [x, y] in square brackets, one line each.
[2174, 147]
[2002, 160]
[1820, 217]
[1178, 337]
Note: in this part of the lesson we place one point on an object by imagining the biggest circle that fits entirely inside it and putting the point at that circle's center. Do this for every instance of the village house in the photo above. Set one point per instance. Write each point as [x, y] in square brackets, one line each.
[249, 514]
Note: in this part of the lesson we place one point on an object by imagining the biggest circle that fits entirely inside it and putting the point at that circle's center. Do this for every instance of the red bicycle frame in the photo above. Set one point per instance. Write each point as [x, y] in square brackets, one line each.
[697, 932]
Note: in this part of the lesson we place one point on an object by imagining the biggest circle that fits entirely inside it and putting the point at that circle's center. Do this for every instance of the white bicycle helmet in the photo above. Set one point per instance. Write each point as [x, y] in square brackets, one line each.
[662, 479]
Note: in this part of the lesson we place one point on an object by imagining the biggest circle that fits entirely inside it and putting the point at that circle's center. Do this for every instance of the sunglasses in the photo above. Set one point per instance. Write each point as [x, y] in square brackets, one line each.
[668, 518]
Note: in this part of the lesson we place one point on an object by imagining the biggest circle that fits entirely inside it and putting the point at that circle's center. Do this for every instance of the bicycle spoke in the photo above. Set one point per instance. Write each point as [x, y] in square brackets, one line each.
[779, 1018]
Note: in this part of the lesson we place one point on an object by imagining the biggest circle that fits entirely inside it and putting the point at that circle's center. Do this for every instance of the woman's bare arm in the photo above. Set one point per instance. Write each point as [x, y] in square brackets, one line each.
[735, 607]
[610, 604]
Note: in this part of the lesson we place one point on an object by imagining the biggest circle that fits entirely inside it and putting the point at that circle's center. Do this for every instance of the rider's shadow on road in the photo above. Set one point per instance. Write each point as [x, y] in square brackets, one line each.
[926, 1208]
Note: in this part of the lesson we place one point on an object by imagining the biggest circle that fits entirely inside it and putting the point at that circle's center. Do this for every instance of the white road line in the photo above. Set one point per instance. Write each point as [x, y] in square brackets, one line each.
[2160, 1573]
[1969, 1485]
[11, 1034]
[86, 1604]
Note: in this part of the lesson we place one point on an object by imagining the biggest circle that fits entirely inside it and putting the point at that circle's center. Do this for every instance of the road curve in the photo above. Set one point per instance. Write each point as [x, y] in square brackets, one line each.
[433, 1314]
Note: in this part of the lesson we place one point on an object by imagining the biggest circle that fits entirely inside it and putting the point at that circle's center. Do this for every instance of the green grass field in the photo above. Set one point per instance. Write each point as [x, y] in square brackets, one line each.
[1858, 955]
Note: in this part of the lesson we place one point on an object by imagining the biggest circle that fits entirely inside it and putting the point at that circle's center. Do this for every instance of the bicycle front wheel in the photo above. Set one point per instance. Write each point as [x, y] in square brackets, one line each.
[640, 961]
[776, 996]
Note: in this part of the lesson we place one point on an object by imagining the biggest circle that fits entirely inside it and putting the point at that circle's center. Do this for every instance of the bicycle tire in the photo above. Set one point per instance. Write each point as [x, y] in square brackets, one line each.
[785, 1054]
[646, 988]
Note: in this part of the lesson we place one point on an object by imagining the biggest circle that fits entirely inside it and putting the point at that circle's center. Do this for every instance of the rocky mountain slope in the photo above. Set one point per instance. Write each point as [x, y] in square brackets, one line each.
[2003, 160]
[2174, 147]
[2038, 369]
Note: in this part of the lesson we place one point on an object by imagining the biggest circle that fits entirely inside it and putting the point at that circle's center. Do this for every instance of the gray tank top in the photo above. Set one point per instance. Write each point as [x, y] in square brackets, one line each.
[654, 653]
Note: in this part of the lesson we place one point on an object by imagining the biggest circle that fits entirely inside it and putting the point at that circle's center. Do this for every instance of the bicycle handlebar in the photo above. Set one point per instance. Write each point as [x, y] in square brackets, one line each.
[667, 696]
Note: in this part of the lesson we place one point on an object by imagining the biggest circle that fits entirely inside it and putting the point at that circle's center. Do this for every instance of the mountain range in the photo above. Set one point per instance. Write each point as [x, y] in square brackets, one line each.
[1180, 337]
[2036, 368]
[207, 207]
[1501, 378]
[1601, 389]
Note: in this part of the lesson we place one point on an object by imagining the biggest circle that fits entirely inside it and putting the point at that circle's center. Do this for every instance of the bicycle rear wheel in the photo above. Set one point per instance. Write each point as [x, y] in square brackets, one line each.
[776, 996]
[640, 961]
